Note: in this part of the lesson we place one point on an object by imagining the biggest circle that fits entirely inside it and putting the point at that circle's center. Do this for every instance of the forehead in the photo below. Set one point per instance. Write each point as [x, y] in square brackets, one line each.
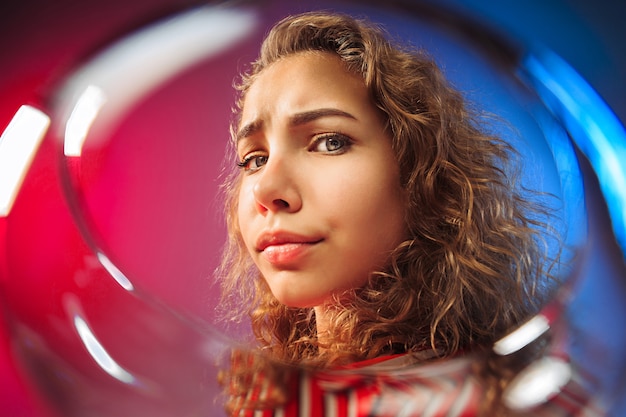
[302, 81]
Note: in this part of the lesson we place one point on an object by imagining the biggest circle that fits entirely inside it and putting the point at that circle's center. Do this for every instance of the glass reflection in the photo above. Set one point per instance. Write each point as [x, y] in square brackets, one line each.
[83, 115]
[115, 273]
[18, 144]
[591, 123]
[99, 353]
[522, 336]
[538, 383]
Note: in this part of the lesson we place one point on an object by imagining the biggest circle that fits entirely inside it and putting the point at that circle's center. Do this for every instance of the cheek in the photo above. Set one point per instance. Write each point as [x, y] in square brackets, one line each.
[371, 195]
[245, 208]
[377, 206]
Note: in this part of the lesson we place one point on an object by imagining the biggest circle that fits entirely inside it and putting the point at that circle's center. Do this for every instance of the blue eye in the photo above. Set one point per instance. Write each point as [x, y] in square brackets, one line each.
[253, 162]
[331, 143]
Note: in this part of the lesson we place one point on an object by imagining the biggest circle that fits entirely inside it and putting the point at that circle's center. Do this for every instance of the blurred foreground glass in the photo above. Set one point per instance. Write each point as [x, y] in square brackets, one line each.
[109, 287]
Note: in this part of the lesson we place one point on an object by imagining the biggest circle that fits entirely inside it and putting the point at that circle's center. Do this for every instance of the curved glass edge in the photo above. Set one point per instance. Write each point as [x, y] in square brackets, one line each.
[594, 128]
[116, 74]
[168, 47]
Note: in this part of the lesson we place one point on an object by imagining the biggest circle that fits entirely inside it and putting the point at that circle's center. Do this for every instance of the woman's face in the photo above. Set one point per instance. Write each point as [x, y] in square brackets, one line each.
[320, 203]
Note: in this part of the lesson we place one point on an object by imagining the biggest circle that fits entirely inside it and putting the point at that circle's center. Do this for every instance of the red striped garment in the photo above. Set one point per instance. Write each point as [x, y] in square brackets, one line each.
[383, 387]
[403, 386]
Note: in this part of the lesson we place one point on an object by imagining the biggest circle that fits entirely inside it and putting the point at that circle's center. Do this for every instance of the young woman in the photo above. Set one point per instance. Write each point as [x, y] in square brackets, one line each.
[372, 218]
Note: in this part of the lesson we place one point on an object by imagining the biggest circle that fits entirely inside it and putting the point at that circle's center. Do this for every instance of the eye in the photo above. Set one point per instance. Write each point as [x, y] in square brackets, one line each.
[331, 143]
[253, 162]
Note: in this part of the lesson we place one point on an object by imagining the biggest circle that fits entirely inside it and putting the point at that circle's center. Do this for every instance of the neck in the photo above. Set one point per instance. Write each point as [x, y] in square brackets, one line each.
[322, 324]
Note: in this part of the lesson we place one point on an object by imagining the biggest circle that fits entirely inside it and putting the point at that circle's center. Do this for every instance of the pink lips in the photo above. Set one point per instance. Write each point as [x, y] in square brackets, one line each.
[283, 249]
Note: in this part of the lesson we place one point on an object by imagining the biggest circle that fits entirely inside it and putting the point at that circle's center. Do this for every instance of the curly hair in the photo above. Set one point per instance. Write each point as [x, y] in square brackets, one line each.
[473, 265]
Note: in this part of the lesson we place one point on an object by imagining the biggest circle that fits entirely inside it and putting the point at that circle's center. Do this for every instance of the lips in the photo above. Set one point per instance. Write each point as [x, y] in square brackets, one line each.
[266, 240]
[285, 249]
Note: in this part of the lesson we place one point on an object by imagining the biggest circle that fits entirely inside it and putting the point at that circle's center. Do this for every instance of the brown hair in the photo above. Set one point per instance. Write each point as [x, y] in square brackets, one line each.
[471, 268]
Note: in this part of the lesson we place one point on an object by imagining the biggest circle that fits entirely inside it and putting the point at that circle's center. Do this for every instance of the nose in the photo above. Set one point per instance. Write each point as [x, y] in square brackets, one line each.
[276, 188]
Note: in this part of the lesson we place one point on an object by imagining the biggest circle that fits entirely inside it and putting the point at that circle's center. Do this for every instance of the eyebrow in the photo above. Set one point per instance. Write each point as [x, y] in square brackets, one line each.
[297, 119]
